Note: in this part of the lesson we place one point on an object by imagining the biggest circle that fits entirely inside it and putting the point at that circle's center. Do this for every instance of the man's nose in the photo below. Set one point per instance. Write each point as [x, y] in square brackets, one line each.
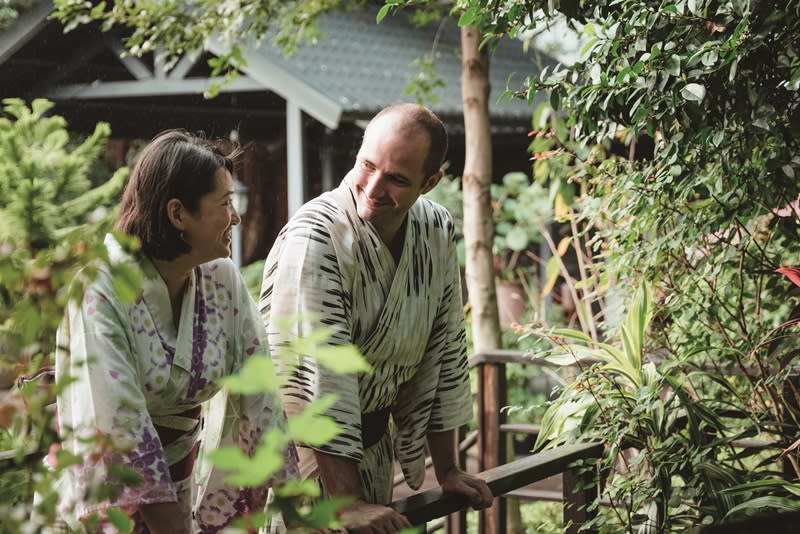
[374, 186]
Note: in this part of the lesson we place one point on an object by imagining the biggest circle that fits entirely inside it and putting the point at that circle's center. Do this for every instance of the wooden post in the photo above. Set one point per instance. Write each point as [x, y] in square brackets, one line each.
[791, 406]
[579, 491]
[491, 398]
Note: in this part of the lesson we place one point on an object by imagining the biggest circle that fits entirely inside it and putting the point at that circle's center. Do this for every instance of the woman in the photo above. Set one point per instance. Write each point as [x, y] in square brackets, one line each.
[143, 368]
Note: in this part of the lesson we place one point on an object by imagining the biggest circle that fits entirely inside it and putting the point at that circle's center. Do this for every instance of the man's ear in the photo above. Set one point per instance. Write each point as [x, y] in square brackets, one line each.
[432, 181]
[175, 213]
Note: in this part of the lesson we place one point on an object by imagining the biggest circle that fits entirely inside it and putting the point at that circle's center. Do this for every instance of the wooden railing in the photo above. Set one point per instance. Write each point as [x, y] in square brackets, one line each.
[579, 486]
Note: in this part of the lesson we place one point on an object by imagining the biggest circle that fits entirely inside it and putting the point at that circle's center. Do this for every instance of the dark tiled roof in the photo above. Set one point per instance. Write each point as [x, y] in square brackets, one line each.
[363, 66]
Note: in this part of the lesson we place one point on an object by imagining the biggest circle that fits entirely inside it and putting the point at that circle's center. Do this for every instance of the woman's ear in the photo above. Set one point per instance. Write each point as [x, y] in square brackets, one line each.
[175, 213]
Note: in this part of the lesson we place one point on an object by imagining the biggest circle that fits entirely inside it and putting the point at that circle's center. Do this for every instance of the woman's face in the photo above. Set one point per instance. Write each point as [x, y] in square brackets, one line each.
[208, 230]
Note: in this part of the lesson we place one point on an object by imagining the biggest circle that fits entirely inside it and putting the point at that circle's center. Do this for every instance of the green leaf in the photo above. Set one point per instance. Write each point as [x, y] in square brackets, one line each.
[569, 354]
[324, 512]
[570, 333]
[252, 471]
[342, 359]
[693, 92]
[312, 428]
[120, 520]
[296, 488]
[786, 504]
[588, 46]
[553, 272]
[382, 12]
[517, 239]
[127, 281]
[540, 116]
[638, 319]
[256, 376]
[125, 475]
[673, 65]
[27, 320]
[469, 17]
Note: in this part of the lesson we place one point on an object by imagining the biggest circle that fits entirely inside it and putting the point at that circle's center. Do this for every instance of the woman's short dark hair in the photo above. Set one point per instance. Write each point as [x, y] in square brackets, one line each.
[175, 164]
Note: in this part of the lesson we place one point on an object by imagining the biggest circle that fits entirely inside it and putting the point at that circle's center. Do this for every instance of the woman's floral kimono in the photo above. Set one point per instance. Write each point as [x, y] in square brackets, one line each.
[138, 386]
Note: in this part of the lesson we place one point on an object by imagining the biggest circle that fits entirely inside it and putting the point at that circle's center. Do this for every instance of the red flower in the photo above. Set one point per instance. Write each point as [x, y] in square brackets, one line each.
[792, 273]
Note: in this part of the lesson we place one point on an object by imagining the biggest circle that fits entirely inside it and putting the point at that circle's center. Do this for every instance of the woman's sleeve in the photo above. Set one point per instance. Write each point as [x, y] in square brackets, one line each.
[244, 419]
[102, 413]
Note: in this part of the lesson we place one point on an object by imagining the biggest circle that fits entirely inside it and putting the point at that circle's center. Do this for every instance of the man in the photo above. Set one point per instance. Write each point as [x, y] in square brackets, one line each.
[376, 262]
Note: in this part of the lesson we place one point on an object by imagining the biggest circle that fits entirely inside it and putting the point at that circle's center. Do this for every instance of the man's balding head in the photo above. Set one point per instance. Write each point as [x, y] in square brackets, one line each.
[413, 118]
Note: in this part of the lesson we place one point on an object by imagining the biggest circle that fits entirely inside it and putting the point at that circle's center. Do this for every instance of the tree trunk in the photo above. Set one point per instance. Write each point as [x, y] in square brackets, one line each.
[476, 182]
[478, 237]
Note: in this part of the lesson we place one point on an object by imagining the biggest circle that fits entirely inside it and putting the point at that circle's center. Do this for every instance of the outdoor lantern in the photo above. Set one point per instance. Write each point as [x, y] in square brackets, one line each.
[240, 193]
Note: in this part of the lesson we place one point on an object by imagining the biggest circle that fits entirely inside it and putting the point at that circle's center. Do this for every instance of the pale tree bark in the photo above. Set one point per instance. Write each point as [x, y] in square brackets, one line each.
[476, 182]
[478, 220]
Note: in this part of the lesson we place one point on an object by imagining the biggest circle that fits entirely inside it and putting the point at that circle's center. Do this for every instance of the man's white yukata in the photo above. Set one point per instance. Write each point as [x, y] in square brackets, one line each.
[329, 267]
[136, 374]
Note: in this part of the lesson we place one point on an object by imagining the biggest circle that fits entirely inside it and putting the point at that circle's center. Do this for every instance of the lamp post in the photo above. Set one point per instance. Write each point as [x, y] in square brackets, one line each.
[240, 196]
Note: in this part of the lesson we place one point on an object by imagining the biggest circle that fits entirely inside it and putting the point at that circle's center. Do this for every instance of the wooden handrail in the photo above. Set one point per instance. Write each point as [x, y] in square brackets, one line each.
[431, 504]
[504, 356]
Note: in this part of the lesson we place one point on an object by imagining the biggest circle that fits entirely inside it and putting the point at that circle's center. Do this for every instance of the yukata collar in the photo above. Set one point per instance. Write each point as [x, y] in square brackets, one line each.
[156, 298]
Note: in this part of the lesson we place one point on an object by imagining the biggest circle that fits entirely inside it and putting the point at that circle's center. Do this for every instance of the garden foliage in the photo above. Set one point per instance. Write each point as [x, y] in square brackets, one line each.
[676, 138]
[50, 217]
[51, 220]
[699, 102]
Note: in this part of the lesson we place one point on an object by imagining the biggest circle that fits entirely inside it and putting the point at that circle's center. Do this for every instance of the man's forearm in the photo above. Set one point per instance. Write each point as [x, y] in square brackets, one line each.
[339, 475]
[443, 449]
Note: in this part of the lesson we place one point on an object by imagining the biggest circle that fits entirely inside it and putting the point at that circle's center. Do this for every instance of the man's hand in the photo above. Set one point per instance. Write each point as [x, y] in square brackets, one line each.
[472, 487]
[450, 476]
[340, 478]
[365, 518]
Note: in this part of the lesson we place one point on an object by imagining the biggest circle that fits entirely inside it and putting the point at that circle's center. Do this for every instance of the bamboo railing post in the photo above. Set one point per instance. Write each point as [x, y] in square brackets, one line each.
[491, 399]
[580, 491]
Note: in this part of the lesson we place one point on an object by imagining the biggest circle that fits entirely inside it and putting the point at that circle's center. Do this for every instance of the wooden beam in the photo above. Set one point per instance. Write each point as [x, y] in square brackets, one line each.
[295, 158]
[24, 29]
[135, 66]
[431, 504]
[187, 86]
[184, 65]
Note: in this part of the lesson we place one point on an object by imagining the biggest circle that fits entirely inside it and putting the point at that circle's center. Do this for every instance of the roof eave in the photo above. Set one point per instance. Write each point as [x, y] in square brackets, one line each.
[24, 29]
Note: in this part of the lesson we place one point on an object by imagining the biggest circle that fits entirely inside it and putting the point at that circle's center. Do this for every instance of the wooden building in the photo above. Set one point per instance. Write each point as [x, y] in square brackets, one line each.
[301, 116]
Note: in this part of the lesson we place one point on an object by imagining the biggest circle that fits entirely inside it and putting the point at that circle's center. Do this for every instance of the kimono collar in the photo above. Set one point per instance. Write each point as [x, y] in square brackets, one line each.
[156, 298]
